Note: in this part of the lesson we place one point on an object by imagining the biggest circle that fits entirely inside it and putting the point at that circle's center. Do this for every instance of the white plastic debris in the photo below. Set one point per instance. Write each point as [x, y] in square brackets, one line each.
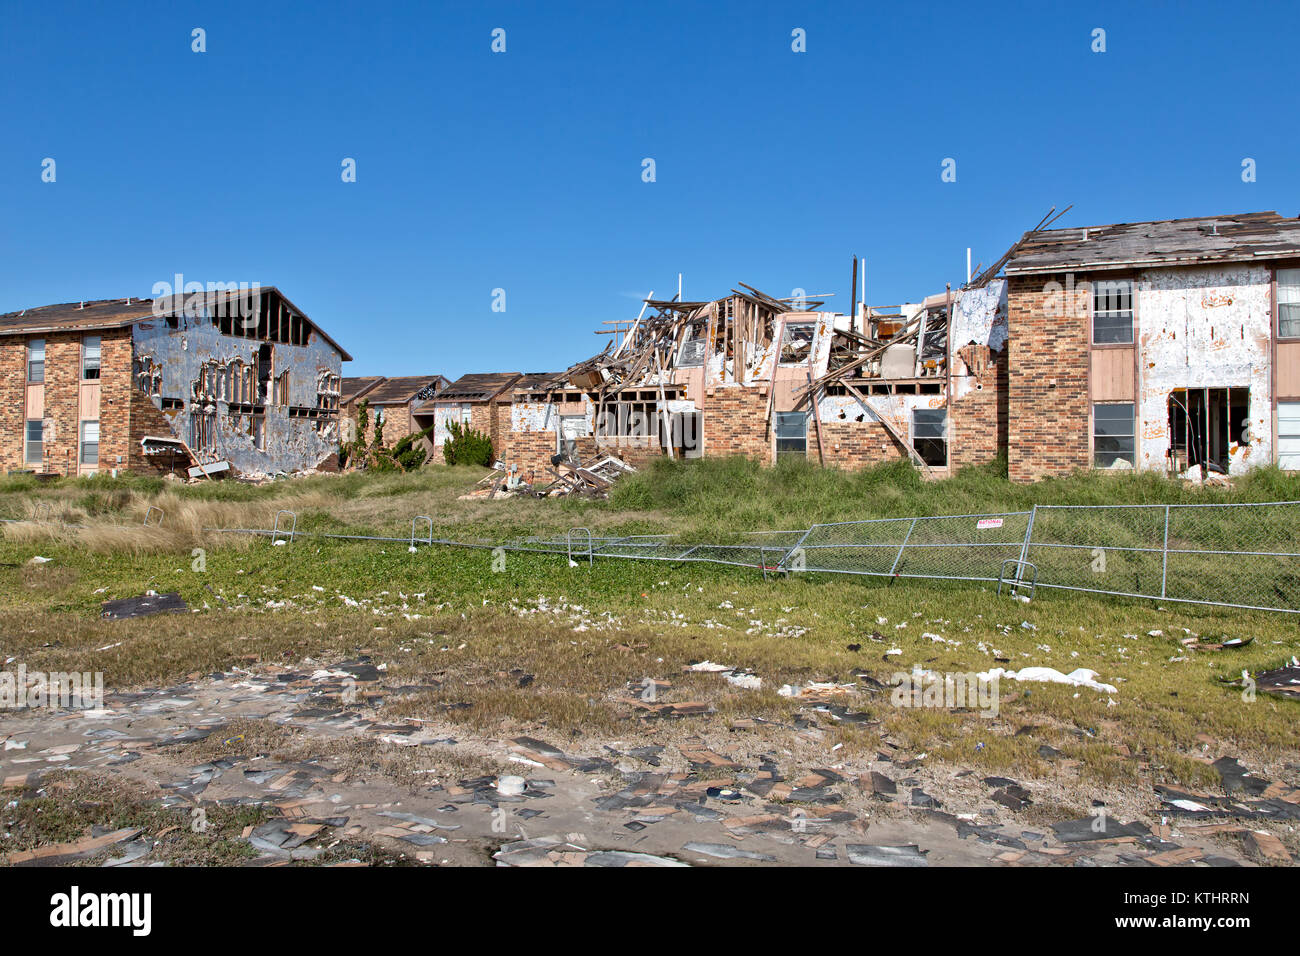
[510, 785]
[1082, 677]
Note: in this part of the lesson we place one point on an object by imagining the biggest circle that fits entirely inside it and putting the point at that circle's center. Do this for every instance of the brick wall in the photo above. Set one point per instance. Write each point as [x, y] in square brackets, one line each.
[483, 418]
[117, 389]
[146, 419]
[62, 412]
[62, 379]
[13, 355]
[978, 421]
[398, 421]
[851, 444]
[1047, 432]
[735, 423]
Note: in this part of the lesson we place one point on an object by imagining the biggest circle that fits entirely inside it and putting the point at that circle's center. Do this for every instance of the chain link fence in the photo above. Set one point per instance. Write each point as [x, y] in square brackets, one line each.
[1233, 555]
[1230, 555]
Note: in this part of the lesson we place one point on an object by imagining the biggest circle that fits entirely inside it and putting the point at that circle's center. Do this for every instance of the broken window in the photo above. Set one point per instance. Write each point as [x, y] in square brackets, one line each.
[629, 420]
[692, 353]
[1112, 312]
[566, 438]
[148, 377]
[1288, 303]
[90, 443]
[930, 435]
[327, 390]
[90, 350]
[203, 431]
[1113, 435]
[259, 432]
[1288, 435]
[35, 442]
[1205, 424]
[36, 360]
[791, 433]
[796, 342]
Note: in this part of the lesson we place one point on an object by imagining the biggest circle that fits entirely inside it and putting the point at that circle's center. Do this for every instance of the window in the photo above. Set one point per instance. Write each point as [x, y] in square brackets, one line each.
[465, 414]
[692, 354]
[572, 427]
[90, 349]
[90, 443]
[791, 433]
[35, 442]
[1112, 312]
[1288, 303]
[930, 435]
[36, 360]
[1288, 435]
[796, 343]
[1112, 435]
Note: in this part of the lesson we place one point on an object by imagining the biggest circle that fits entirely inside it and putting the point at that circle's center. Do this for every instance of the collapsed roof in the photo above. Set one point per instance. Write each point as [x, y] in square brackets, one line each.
[117, 313]
[1247, 237]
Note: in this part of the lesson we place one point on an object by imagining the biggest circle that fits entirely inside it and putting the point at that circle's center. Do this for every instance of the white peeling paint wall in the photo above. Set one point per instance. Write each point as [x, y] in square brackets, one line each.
[1204, 328]
[545, 417]
[443, 413]
[896, 409]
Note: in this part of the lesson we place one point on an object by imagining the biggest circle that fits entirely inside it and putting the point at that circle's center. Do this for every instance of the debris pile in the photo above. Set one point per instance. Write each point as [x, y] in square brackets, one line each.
[590, 479]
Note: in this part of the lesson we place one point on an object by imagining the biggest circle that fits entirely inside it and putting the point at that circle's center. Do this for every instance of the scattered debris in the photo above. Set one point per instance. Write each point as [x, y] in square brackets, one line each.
[143, 606]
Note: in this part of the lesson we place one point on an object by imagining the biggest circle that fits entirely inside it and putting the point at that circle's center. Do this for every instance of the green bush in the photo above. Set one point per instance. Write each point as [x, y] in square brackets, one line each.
[467, 446]
[407, 454]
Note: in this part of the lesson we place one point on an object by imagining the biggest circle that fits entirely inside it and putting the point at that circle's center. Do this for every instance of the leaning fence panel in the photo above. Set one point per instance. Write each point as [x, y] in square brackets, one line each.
[1234, 555]
[1246, 555]
[1108, 549]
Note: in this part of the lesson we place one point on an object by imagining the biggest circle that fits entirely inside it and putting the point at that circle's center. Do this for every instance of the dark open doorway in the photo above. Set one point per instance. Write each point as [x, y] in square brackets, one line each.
[1205, 424]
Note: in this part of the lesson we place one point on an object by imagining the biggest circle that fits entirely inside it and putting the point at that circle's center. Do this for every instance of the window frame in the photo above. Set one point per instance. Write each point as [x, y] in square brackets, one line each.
[786, 328]
[28, 443]
[32, 361]
[1095, 286]
[941, 437]
[1280, 435]
[83, 444]
[1278, 334]
[778, 438]
[85, 357]
[1131, 436]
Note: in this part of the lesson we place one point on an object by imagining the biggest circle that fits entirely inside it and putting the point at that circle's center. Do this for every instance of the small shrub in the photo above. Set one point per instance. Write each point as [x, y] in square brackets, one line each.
[467, 446]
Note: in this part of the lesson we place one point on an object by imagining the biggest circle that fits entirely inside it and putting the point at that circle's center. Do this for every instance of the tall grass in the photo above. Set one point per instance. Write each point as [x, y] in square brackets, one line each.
[736, 494]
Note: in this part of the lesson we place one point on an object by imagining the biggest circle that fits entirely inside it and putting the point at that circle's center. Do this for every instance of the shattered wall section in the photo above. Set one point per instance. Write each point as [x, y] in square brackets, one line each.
[1204, 328]
[181, 356]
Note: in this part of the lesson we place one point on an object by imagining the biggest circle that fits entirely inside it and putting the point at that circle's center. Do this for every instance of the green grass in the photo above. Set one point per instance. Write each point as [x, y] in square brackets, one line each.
[442, 613]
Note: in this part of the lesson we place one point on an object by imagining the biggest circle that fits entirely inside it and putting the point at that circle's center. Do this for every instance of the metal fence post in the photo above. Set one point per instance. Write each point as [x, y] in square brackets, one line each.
[901, 547]
[1164, 559]
[781, 565]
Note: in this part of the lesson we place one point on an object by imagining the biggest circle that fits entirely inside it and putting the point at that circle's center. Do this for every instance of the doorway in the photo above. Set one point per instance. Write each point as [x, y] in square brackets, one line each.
[1205, 425]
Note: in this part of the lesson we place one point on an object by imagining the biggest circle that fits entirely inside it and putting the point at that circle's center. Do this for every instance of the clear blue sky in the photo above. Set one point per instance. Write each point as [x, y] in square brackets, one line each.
[523, 170]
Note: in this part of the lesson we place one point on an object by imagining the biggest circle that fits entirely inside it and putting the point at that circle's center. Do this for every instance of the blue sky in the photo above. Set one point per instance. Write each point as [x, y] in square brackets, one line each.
[523, 170]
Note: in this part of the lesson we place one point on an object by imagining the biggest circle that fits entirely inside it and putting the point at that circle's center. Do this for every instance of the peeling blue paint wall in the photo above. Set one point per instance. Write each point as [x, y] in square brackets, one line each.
[178, 355]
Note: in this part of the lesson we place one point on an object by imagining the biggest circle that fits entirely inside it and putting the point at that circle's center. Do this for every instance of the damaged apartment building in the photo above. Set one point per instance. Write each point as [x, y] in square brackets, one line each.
[233, 380]
[754, 375]
[1168, 346]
